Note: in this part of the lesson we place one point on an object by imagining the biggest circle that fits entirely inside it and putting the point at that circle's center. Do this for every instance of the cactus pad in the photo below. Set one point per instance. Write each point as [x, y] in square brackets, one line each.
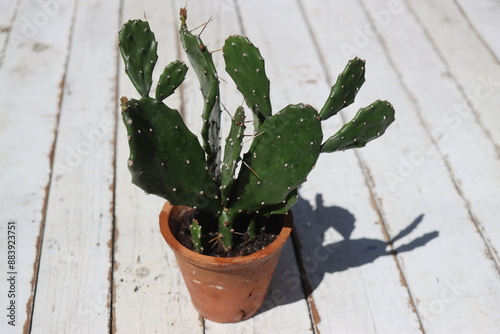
[138, 49]
[166, 159]
[369, 123]
[195, 230]
[203, 65]
[345, 88]
[171, 78]
[232, 153]
[283, 207]
[279, 160]
[245, 65]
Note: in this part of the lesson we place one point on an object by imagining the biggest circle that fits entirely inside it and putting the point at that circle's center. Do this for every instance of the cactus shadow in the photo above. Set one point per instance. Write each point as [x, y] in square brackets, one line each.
[289, 284]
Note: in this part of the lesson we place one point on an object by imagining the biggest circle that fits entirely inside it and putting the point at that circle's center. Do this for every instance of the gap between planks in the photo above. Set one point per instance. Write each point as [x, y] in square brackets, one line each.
[7, 30]
[306, 286]
[114, 232]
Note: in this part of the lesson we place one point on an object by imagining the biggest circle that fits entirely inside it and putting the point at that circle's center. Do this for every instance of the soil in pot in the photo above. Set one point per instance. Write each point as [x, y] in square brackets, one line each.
[267, 231]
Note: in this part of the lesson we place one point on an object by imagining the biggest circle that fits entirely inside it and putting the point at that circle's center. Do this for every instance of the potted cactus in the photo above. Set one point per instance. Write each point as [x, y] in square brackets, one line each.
[228, 213]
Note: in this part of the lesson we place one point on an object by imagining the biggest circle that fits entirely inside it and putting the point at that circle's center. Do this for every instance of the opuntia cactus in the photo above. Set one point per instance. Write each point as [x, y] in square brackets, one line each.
[203, 65]
[245, 65]
[166, 158]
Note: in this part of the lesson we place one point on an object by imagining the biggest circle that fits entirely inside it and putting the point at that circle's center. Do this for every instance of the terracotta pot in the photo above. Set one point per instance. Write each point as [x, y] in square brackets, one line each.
[223, 289]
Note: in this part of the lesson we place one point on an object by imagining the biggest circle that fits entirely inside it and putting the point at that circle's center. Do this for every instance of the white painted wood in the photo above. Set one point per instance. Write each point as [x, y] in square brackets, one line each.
[73, 288]
[475, 69]
[30, 77]
[448, 294]
[7, 15]
[348, 300]
[149, 293]
[483, 16]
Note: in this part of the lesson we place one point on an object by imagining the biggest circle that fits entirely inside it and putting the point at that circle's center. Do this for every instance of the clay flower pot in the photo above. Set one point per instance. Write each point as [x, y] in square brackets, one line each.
[223, 289]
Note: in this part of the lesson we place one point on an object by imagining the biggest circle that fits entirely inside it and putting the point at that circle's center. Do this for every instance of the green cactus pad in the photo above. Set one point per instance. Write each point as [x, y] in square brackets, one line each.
[232, 153]
[279, 160]
[138, 49]
[369, 123]
[226, 229]
[251, 232]
[203, 65]
[245, 65]
[166, 159]
[173, 75]
[283, 207]
[345, 88]
[195, 232]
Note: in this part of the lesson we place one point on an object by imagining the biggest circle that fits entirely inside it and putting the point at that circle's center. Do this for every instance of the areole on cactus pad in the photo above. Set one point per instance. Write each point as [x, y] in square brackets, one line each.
[166, 158]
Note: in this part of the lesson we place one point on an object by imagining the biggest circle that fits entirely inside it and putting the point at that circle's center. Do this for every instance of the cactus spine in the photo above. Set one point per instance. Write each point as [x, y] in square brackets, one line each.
[167, 160]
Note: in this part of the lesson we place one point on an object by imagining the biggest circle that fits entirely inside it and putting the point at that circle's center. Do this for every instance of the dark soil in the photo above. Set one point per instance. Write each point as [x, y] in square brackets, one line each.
[243, 244]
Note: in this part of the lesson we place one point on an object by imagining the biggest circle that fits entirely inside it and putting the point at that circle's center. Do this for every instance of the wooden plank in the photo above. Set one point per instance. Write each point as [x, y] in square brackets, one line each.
[483, 16]
[7, 15]
[475, 69]
[149, 293]
[341, 265]
[30, 84]
[452, 280]
[73, 288]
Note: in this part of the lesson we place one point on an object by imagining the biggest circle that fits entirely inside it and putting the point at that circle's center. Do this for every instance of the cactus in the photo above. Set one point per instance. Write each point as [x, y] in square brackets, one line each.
[201, 60]
[195, 230]
[245, 65]
[369, 123]
[170, 79]
[279, 159]
[345, 88]
[138, 49]
[234, 144]
[167, 160]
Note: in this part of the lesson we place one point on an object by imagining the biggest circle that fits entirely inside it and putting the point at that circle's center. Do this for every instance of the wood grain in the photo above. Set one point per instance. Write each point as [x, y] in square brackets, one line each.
[73, 287]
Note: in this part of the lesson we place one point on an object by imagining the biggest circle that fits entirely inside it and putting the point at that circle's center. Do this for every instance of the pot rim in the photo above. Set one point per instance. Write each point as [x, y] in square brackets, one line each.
[204, 260]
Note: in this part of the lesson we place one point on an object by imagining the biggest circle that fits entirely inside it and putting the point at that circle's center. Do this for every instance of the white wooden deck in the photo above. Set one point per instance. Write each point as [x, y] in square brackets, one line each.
[400, 237]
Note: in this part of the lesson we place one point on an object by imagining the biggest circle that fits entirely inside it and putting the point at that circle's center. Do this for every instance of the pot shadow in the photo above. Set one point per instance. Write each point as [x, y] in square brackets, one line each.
[289, 283]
